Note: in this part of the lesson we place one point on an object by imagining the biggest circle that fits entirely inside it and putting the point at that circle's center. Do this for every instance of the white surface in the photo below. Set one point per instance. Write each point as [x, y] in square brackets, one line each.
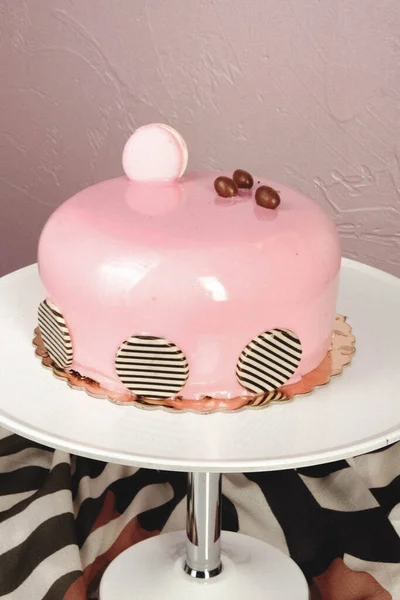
[358, 412]
[251, 569]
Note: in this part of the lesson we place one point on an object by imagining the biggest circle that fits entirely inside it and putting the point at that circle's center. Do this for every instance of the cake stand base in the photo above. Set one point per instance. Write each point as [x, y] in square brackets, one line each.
[251, 569]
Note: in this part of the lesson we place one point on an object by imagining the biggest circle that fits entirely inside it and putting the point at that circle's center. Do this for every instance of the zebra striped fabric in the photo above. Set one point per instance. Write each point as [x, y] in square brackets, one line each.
[55, 334]
[64, 518]
[269, 361]
[151, 367]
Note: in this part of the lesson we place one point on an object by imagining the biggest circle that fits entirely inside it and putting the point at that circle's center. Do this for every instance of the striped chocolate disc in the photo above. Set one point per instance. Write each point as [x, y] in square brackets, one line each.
[55, 334]
[151, 366]
[269, 361]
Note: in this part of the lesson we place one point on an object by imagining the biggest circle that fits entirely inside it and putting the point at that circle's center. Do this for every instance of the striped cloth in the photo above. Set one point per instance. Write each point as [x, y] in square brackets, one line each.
[64, 518]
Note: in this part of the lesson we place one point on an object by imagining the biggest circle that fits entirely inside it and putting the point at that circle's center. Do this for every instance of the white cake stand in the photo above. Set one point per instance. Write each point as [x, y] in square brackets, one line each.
[356, 413]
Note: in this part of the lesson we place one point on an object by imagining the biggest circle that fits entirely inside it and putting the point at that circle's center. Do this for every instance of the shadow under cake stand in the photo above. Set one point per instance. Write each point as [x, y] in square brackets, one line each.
[357, 412]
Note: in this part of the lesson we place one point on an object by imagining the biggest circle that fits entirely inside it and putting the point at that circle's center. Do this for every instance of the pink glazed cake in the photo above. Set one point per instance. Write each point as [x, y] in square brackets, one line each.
[164, 285]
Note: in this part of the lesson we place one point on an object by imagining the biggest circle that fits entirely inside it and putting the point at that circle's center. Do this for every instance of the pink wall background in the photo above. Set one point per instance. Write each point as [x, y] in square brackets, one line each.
[304, 91]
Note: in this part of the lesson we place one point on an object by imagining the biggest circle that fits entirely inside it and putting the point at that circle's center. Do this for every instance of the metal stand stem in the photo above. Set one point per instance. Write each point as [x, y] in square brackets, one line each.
[203, 525]
[252, 568]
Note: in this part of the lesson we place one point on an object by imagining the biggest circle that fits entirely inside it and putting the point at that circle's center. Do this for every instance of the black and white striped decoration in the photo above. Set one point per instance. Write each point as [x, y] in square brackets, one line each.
[55, 334]
[152, 367]
[269, 361]
[267, 398]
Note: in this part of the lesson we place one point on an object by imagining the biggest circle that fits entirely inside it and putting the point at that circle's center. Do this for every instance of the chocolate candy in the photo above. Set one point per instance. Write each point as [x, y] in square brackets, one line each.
[267, 197]
[225, 187]
[243, 179]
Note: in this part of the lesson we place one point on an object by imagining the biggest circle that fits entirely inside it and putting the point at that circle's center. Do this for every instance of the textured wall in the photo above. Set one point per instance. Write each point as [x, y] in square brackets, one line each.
[304, 91]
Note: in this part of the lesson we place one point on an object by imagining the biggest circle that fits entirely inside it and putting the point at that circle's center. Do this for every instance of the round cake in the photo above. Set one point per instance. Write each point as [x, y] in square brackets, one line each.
[164, 285]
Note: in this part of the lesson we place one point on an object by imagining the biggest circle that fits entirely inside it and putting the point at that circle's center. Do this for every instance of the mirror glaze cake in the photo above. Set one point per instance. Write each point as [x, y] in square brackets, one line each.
[164, 285]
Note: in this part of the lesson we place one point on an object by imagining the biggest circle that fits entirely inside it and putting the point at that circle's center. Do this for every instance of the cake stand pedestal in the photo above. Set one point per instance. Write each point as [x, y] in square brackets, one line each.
[356, 413]
[192, 566]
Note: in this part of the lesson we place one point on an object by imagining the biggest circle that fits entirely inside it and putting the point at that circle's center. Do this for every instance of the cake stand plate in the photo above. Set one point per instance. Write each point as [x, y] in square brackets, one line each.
[251, 569]
[357, 412]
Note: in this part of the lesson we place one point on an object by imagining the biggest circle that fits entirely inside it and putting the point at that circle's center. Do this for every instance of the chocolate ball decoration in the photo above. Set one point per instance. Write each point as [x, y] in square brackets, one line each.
[267, 197]
[243, 179]
[225, 187]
